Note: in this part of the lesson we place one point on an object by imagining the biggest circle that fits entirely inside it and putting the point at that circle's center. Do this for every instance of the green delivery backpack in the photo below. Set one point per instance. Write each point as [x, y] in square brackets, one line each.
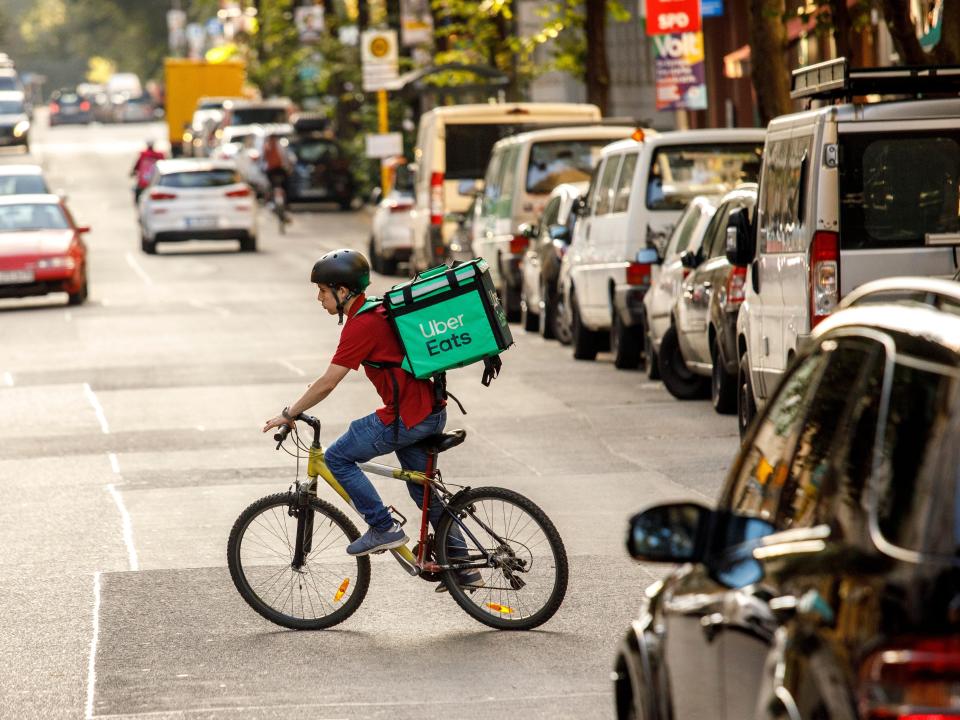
[446, 317]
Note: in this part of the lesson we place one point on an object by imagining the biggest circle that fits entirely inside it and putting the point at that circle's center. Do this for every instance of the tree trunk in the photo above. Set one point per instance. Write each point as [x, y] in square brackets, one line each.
[843, 30]
[896, 13]
[598, 71]
[768, 63]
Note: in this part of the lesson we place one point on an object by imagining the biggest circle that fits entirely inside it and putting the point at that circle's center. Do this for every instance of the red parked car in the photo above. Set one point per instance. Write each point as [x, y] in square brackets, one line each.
[41, 248]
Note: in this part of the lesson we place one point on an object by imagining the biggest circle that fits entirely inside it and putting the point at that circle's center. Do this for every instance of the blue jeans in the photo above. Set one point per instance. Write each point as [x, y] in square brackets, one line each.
[367, 438]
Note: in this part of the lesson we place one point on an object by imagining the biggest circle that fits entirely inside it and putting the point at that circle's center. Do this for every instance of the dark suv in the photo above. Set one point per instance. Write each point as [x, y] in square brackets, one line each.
[826, 583]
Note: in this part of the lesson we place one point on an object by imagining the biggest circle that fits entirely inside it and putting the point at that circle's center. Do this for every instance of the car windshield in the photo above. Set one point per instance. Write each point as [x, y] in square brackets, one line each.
[199, 179]
[896, 188]
[68, 99]
[552, 163]
[8, 82]
[678, 173]
[22, 185]
[315, 151]
[258, 116]
[32, 216]
[11, 107]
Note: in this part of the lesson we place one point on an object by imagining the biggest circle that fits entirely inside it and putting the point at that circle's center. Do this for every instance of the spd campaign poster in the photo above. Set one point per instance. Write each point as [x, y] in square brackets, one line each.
[672, 16]
[679, 70]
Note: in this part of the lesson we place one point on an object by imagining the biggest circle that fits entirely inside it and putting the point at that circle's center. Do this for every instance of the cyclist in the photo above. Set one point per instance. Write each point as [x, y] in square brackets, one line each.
[276, 163]
[144, 168]
[341, 277]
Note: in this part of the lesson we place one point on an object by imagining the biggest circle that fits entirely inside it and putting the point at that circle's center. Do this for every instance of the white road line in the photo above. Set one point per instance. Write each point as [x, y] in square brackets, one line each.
[132, 262]
[291, 366]
[97, 408]
[8, 379]
[127, 527]
[92, 662]
[114, 463]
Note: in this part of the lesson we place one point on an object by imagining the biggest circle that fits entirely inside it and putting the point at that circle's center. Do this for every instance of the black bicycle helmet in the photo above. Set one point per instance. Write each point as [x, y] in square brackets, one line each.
[342, 268]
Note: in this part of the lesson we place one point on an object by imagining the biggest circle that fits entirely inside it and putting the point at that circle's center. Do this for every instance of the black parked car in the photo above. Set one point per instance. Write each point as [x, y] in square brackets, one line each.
[67, 106]
[321, 171]
[826, 583]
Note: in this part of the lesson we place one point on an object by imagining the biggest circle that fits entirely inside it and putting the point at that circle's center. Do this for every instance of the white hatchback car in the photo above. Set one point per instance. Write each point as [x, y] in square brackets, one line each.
[194, 199]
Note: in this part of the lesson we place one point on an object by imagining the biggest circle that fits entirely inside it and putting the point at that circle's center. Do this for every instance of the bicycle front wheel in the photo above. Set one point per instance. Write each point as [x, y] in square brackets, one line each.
[513, 566]
[325, 590]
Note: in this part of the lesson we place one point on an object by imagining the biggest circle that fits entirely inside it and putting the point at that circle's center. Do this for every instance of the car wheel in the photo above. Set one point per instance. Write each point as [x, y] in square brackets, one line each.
[723, 386]
[375, 263]
[585, 342]
[80, 296]
[680, 381]
[148, 246]
[248, 243]
[653, 362]
[529, 320]
[548, 314]
[746, 405]
[626, 343]
[561, 326]
[511, 303]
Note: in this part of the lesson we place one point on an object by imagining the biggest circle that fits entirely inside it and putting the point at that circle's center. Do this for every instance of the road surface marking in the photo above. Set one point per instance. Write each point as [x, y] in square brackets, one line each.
[67, 316]
[92, 662]
[97, 408]
[289, 365]
[132, 262]
[8, 379]
[114, 463]
[127, 527]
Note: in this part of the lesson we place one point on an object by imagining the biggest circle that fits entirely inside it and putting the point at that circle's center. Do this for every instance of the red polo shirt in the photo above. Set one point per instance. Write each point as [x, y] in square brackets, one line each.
[370, 337]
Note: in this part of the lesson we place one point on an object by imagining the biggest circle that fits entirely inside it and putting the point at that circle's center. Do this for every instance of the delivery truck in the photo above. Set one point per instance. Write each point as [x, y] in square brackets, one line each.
[189, 80]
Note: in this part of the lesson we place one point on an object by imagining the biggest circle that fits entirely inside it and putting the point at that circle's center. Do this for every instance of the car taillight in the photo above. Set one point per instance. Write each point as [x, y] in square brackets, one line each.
[913, 680]
[84, 106]
[436, 198]
[158, 195]
[638, 273]
[54, 107]
[824, 275]
[736, 287]
[518, 244]
[239, 193]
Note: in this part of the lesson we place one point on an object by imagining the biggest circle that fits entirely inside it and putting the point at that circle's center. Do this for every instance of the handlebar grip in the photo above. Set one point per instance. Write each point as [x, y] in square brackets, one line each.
[282, 435]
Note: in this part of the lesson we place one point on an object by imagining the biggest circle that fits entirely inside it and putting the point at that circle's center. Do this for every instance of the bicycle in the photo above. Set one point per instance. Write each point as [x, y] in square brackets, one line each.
[287, 551]
[278, 204]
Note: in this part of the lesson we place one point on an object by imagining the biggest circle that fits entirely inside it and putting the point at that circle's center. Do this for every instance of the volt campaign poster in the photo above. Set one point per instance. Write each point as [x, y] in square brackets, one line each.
[680, 74]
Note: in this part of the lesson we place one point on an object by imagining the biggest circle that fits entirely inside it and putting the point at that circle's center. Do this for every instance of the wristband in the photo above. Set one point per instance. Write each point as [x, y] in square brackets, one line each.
[286, 414]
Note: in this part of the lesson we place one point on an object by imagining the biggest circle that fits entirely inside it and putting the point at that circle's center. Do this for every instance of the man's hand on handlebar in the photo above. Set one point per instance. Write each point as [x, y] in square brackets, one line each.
[284, 418]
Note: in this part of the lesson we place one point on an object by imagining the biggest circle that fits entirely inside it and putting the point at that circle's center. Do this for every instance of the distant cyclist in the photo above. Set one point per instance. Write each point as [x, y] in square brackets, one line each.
[144, 168]
[276, 162]
[368, 339]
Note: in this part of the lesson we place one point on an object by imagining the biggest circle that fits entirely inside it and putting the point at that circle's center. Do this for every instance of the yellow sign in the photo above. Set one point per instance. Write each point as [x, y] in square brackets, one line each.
[379, 46]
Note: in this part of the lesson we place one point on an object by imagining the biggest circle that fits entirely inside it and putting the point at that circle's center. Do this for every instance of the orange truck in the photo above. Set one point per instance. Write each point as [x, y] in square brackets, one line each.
[189, 80]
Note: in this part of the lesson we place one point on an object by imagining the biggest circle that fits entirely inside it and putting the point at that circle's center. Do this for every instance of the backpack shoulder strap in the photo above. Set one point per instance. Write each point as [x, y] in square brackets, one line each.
[371, 303]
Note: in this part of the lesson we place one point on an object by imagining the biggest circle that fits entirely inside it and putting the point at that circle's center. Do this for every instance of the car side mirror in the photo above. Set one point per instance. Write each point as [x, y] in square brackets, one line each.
[579, 206]
[689, 259]
[675, 533]
[739, 242]
[559, 233]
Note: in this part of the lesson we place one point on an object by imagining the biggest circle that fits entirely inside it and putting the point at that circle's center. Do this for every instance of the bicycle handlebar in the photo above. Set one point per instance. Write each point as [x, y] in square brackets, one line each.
[284, 431]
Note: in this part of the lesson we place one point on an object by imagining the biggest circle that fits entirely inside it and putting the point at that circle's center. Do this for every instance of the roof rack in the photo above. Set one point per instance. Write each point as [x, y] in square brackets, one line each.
[834, 79]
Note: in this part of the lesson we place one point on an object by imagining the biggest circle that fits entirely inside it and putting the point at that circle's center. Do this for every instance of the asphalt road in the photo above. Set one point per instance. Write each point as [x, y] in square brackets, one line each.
[130, 442]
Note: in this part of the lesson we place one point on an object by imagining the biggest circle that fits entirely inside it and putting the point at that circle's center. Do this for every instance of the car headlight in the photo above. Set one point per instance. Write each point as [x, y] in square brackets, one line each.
[64, 262]
[20, 129]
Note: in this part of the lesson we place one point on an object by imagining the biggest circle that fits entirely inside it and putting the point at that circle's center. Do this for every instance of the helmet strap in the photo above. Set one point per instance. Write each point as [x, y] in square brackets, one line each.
[340, 303]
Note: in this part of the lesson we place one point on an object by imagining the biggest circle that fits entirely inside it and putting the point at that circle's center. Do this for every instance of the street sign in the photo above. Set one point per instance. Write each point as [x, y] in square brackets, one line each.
[672, 16]
[711, 8]
[384, 145]
[380, 58]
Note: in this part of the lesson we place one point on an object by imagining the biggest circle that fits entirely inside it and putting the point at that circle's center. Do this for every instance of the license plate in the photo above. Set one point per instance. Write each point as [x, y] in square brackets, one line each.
[14, 277]
[202, 221]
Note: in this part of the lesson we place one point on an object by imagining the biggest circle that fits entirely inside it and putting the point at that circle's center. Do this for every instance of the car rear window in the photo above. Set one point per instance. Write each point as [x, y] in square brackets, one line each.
[22, 184]
[258, 116]
[680, 172]
[561, 161]
[896, 188]
[11, 107]
[199, 179]
[468, 148]
[314, 151]
[32, 216]
[8, 82]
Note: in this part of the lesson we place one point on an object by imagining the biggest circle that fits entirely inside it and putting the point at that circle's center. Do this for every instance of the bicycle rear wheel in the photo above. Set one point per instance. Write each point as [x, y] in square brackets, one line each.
[524, 583]
[328, 587]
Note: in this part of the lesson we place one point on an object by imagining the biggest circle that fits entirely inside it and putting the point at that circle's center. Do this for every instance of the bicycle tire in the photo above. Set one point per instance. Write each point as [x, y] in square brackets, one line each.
[339, 584]
[499, 603]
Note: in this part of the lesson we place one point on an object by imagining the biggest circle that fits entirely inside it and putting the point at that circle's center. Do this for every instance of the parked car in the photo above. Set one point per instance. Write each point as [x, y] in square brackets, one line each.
[635, 198]
[549, 240]
[522, 171]
[231, 141]
[22, 180]
[134, 108]
[41, 249]
[825, 582]
[698, 353]
[391, 232]
[667, 280]
[10, 80]
[851, 192]
[321, 171]
[67, 106]
[192, 199]
[14, 123]
[452, 153]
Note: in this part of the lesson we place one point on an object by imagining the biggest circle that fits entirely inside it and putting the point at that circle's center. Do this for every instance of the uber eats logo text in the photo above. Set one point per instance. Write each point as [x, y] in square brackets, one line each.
[433, 330]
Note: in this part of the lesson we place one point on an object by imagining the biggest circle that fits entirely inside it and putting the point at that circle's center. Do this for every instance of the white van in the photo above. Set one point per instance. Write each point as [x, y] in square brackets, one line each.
[636, 196]
[522, 172]
[848, 193]
[451, 155]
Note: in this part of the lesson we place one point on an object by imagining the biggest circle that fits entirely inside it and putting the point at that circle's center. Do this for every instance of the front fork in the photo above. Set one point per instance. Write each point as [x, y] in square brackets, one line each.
[300, 507]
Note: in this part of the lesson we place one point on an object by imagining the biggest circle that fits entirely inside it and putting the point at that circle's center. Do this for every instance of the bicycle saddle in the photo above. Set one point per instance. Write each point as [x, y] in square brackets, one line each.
[442, 441]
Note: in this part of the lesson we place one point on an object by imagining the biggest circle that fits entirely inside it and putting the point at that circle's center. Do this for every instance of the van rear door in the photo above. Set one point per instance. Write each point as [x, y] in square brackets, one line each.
[898, 183]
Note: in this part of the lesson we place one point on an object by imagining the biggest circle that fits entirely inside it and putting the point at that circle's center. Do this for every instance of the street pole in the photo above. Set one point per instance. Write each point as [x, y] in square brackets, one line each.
[382, 128]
